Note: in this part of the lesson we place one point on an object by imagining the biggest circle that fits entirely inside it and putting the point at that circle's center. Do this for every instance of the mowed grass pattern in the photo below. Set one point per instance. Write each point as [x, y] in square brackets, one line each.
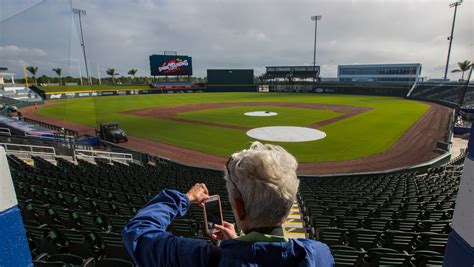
[235, 116]
[363, 135]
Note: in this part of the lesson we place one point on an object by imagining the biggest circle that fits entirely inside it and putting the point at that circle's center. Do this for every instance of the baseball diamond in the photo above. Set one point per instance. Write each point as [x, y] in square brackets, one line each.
[364, 133]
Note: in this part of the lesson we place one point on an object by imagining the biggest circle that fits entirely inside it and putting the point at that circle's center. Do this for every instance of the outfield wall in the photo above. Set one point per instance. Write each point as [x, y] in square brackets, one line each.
[231, 88]
[94, 93]
[398, 89]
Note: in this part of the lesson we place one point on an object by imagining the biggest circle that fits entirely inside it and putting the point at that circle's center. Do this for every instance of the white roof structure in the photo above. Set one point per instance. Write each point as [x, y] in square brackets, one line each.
[3, 74]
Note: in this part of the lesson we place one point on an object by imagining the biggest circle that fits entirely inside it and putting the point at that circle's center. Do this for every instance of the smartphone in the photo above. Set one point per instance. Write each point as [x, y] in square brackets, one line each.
[212, 214]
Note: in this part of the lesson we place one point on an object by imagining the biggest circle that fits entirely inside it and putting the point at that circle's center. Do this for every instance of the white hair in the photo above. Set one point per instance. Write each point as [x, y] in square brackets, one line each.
[265, 176]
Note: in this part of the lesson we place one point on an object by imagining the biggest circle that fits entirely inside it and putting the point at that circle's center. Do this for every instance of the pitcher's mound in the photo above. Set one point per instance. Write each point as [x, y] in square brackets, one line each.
[286, 134]
[260, 113]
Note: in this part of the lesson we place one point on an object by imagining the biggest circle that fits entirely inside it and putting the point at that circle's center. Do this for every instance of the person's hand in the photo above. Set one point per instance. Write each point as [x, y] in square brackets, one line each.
[226, 231]
[197, 194]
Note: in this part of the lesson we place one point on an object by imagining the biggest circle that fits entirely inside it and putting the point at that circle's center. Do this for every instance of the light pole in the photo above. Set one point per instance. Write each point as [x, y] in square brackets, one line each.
[315, 19]
[450, 38]
[81, 12]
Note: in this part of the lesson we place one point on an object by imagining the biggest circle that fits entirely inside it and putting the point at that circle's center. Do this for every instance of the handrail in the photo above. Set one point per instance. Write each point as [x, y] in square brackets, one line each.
[55, 136]
[5, 131]
[110, 156]
[30, 150]
[412, 88]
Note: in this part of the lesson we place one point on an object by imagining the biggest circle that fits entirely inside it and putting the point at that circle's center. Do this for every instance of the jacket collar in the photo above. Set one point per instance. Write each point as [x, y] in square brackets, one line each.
[259, 237]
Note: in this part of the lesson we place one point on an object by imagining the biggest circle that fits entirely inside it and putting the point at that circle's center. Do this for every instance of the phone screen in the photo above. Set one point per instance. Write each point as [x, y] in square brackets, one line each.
[213, 214]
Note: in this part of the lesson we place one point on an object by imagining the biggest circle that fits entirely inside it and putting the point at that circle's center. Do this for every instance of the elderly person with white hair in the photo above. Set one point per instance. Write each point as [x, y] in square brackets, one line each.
[262, 186]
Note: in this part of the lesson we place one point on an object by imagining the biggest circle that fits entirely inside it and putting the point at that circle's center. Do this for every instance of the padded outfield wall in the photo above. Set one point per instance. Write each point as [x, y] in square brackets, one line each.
[380, 89]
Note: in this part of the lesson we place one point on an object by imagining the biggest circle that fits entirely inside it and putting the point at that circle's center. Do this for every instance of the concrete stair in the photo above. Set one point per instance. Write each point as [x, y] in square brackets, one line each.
[293, 226]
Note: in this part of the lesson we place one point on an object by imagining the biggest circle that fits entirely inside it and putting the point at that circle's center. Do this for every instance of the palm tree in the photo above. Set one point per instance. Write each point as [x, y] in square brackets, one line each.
[32, 70]
[463, 67]
[112, 74]
[132, 72]
[58, 72]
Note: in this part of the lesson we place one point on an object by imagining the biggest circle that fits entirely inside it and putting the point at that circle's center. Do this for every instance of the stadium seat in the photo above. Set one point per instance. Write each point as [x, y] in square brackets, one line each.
[331, 236]
[113, 263]
[399, 240]
[443, 227]
[184, 227]
[388, 257]
[433, 241]
[364, 239]
[70, 259]
[425, 258]
[378, 224]
[49, 264]
[347, 256]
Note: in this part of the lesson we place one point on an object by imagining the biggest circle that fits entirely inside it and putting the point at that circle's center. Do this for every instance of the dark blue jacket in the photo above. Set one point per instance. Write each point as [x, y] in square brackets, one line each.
[149, 244]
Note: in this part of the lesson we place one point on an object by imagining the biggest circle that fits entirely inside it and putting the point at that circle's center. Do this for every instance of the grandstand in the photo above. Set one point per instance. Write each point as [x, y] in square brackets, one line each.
[446, 92]
[74, 208]
[388, 219]
[20, 94]
[81, 208]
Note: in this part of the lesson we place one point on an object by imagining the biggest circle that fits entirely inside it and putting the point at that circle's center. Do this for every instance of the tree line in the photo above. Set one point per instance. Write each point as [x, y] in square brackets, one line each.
[114, 78]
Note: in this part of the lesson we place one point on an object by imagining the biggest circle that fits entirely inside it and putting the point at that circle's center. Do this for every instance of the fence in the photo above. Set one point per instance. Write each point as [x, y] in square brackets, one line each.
[5, 131]
[104, 155]
[137, 155]
[27, 151]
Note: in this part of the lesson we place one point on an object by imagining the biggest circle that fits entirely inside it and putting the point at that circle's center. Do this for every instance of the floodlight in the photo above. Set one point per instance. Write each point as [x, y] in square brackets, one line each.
[455, 3]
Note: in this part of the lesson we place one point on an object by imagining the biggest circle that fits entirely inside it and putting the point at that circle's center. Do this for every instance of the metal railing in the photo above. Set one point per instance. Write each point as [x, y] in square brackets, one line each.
[138, 156]
[28, 151]
[105, 155]
[5, 131]
[412, 88]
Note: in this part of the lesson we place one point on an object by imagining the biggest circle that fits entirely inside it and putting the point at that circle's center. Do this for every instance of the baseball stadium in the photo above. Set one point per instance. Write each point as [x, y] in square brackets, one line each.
[94, 170]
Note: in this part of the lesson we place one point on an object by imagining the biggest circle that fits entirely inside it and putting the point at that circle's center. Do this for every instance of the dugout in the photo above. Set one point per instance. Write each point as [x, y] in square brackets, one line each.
[230, 80]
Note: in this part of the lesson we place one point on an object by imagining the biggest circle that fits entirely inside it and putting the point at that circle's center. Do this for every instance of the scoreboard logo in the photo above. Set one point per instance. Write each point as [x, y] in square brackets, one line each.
[162, 65]
[174, 66]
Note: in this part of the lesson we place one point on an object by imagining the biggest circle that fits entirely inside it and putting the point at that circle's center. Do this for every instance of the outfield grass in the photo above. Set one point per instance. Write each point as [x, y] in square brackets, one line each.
[365, 134]
[72, 88]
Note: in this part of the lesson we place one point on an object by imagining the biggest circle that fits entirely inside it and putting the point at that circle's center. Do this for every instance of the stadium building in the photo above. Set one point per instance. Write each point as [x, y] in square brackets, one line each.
[4, 75]
[379, 72]
[291, 72]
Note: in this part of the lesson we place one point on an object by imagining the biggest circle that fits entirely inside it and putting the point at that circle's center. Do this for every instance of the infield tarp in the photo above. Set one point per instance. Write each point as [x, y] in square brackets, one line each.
[21, 127]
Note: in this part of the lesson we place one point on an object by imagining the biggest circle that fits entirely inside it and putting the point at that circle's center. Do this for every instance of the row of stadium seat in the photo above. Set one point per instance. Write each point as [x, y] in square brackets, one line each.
[401, 219]
[81, 208]
[349, 256]
[402, 241]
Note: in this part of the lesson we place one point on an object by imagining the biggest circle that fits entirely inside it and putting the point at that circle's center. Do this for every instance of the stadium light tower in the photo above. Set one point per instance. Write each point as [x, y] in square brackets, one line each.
[315, 19]
[81, 12]
[450, 38]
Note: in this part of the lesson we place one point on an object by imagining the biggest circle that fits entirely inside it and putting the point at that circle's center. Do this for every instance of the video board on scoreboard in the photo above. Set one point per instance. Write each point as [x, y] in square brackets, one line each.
[163, 65]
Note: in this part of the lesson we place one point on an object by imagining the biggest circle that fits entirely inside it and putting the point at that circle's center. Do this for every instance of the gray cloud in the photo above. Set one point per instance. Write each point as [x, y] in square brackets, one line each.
[235, 34]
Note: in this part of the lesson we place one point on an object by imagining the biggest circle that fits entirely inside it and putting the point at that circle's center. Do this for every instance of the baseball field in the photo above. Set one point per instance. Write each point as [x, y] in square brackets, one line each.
[214, 123]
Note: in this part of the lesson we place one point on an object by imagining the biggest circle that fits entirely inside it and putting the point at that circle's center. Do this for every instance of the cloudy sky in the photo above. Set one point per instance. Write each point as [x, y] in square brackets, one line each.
[233, 34]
